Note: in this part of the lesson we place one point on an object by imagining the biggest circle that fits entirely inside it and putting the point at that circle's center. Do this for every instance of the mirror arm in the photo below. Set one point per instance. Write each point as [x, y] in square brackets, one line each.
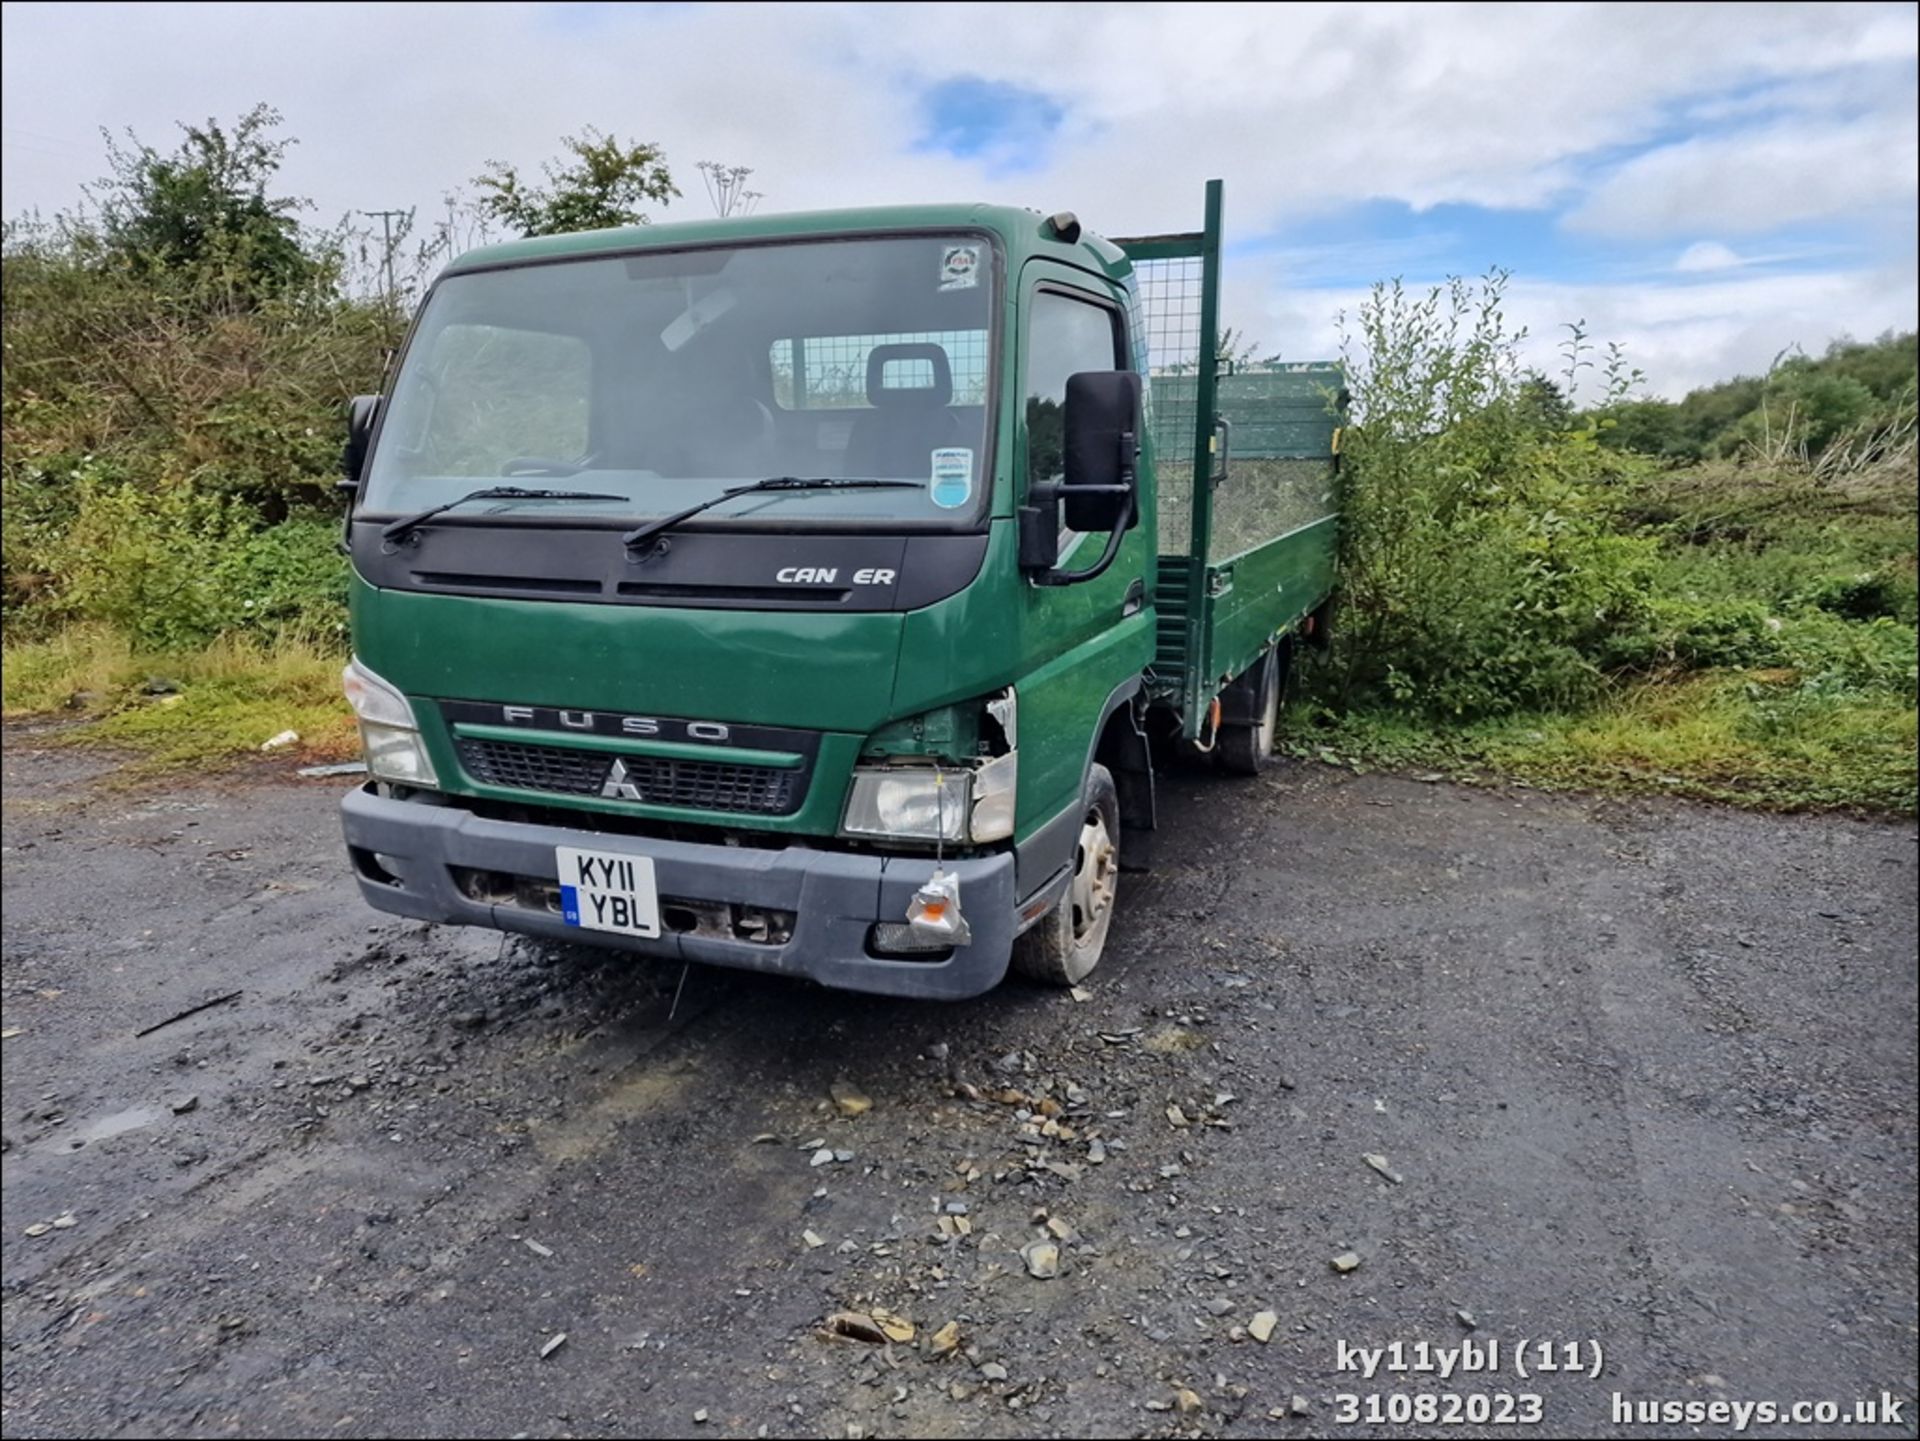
[350, 489]
[1040, 527]
[1049, 492]
[1040, 521]
[1115, 538]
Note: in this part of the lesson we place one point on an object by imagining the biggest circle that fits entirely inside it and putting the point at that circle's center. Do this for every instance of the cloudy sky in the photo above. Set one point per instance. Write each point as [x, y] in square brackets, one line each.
[1706, 184]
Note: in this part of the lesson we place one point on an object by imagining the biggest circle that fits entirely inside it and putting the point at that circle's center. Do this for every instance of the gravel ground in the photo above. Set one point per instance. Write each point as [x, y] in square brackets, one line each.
[1640, 1075]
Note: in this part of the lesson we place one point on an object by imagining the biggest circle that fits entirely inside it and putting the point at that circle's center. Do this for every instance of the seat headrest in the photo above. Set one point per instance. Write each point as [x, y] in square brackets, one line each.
[904, 390]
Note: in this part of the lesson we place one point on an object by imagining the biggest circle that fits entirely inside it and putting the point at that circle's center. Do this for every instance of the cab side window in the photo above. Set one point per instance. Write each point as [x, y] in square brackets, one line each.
[1065, 336]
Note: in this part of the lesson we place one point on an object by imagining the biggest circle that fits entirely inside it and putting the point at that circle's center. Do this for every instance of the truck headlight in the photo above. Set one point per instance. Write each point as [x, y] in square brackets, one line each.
[971, 800]
[389, 734]
[909, 804]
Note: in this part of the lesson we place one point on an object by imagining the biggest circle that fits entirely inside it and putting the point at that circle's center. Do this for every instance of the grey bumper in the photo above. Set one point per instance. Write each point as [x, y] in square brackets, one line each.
[835, 896]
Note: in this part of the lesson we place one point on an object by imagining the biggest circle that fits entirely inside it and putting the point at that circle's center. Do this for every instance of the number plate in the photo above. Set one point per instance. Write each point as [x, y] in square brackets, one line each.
[608, 891]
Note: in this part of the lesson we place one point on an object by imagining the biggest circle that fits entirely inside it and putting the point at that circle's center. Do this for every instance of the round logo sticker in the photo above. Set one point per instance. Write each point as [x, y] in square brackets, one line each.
[952, 483]
[959, 267]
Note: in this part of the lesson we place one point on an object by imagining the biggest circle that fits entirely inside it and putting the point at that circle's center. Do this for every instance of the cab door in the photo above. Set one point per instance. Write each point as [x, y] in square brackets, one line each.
[1089, 642]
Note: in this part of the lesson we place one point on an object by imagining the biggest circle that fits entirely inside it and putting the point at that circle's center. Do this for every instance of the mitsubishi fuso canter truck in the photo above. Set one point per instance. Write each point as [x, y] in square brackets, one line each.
[802, 592]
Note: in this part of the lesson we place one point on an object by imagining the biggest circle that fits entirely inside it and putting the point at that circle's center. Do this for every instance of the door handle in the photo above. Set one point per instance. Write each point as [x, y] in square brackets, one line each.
[1135, 598]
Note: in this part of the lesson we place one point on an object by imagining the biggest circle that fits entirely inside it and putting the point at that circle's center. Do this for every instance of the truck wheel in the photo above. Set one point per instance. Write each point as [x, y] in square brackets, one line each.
[1063, 946]
[1246, 748]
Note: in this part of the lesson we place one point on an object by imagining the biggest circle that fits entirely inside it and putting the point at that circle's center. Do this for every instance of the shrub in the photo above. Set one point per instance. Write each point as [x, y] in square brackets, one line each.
[1480, 571]
[172, 567]
[287, 579]
[142, 560]
[1864, 595]
[178, 355]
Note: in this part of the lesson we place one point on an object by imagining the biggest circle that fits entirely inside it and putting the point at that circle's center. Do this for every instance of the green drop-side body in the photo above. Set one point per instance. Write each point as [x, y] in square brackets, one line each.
[1076, 655]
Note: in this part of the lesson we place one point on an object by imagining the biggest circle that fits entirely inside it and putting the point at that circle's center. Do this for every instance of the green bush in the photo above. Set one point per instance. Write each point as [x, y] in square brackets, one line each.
[288, 578]
[1481, 573]
[1519, 594]
[142, 560]
[1816, 648]
[178, 356]
[1864, 595]
[172, 567]
[1831, 656]
[1677, 633]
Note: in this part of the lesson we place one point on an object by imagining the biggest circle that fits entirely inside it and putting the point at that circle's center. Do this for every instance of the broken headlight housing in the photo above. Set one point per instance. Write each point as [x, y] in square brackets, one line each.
[920, 798]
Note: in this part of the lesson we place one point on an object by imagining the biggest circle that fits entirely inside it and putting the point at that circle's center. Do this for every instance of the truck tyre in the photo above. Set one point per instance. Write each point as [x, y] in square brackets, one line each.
[1246, 748]
[1064, 945]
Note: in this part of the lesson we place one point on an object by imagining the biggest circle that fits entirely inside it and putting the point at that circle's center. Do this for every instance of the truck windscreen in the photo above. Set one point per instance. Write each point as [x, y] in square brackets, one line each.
[661, 379]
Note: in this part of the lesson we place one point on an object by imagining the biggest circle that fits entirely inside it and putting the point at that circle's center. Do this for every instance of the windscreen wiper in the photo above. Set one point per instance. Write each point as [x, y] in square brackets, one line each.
[401, 529]
[641, 534]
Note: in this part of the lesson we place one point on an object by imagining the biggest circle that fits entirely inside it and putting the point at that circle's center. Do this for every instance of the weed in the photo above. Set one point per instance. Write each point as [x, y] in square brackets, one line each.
[1520, 599]
[193, 709]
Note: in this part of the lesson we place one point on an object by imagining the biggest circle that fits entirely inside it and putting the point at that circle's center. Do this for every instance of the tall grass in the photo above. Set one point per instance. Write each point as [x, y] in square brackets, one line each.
[213, 704]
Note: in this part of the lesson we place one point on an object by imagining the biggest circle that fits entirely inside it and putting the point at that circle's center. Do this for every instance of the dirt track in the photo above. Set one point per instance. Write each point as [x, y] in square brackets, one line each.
[1646, 1074]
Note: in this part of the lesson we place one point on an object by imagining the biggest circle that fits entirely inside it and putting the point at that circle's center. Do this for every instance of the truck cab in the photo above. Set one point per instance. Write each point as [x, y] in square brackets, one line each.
[781, 593]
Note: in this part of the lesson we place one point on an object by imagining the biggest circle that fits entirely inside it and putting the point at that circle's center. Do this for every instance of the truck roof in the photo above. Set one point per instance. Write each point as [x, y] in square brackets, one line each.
[1025, 233]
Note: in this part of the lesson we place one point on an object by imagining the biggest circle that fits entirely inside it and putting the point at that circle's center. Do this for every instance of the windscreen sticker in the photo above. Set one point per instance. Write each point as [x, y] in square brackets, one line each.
[952, 484]
[959, 267]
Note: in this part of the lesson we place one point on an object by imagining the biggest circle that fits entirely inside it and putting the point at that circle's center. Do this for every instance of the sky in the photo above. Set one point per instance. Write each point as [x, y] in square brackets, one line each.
[1706, 185]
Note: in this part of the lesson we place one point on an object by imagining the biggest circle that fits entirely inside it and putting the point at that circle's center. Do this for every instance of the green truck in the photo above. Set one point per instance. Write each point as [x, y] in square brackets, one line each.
[811, 593]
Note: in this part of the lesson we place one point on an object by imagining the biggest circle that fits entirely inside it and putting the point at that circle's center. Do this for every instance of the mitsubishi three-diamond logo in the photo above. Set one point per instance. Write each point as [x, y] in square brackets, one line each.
[617, 785]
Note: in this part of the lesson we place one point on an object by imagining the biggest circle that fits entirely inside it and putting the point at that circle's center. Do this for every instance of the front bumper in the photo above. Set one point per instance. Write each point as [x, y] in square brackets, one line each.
[835, 896]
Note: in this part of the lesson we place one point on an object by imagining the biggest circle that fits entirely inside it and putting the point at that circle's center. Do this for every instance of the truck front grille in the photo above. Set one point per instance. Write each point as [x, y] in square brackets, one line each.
[693, 785]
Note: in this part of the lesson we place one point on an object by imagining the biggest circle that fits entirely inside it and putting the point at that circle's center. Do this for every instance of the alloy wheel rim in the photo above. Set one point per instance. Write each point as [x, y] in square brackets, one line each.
[1095, 875]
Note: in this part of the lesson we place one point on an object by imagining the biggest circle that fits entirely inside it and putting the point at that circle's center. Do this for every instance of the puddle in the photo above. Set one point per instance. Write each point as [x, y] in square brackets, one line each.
[103, 1127]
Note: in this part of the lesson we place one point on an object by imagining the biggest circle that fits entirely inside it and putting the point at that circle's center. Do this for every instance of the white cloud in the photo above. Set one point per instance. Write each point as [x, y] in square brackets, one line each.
[1692, 335]
[1708, 255]
[1682, 336]
[1760, 180]
[1304, 110]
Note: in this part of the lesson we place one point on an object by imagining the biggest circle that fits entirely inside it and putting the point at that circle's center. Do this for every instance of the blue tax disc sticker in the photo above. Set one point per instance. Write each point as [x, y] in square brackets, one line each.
[952, 483]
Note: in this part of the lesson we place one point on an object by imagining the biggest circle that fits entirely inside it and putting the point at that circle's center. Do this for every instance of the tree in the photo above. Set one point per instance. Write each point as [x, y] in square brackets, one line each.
[203, 212]
[1806, 408]
[1234, 352]
[1242, 352]
[1543, 405]
[1646, 427]
[602, 185]
[1801, 406]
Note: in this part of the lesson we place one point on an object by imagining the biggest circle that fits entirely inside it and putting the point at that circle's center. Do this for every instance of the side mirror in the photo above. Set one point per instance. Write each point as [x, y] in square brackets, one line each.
[1101, 450]
[362, 412]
